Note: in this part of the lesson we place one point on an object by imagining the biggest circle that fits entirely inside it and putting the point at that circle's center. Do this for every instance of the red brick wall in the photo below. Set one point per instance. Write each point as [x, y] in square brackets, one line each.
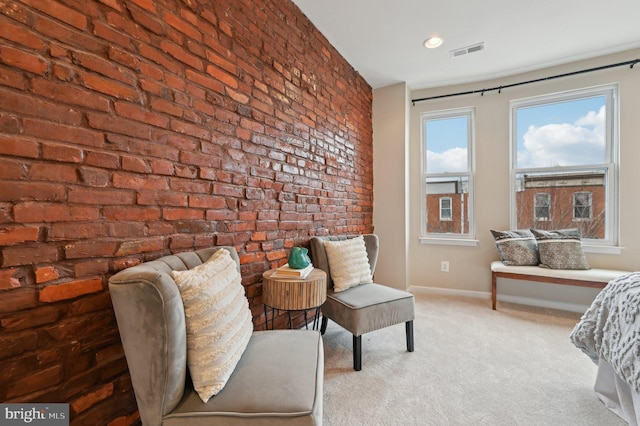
[131, 129]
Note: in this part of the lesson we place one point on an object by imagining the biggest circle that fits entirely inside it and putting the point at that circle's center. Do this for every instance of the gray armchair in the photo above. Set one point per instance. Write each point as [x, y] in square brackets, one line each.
[278, 380]
[366, 307]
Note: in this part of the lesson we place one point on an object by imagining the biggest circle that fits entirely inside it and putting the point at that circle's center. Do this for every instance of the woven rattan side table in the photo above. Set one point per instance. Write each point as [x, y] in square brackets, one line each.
[294, 294]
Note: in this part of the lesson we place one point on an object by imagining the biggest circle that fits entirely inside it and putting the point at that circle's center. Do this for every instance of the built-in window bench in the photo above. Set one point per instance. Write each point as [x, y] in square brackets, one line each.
[594, 278]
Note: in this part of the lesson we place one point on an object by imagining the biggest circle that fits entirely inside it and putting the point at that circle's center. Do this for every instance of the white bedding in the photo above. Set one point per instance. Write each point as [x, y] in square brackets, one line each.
[617, 395]
[610, 328]
[609, 333]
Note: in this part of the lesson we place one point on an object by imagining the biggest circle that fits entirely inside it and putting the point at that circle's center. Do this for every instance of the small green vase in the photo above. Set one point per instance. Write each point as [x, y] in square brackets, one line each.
[298, 258]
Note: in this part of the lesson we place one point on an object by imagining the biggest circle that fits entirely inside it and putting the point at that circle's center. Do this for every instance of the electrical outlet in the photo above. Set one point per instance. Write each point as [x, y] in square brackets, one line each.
[444, 266]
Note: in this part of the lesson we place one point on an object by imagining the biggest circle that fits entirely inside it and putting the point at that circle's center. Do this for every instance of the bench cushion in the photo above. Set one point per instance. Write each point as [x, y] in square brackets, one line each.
[594, 274]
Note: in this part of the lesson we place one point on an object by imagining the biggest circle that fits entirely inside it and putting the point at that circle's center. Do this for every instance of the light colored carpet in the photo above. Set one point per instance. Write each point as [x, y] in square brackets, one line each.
[471, 366]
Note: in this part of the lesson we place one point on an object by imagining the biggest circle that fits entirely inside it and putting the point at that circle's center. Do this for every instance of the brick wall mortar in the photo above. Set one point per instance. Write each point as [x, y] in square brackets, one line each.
[134, 129]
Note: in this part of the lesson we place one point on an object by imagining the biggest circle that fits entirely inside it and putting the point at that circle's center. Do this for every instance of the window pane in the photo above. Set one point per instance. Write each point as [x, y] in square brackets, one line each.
[576, 200]
[566, 133]
[447, 173]
[447, 145]
[448, 205]
[445, 208]
[542, 204]
[582, 205]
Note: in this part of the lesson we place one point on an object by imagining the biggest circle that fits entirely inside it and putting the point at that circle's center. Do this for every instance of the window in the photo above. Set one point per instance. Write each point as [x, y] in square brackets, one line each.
[565, 159]
[542, 206]
[447, 174]
[445, 208]
[582, 205]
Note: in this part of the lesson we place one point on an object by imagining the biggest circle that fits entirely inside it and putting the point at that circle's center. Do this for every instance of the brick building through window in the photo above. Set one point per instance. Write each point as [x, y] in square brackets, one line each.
[448, 207]
[560, 201]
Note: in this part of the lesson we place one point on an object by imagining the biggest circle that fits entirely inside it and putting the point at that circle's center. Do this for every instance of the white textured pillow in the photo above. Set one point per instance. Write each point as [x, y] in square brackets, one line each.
[218, 321]
[348, 263]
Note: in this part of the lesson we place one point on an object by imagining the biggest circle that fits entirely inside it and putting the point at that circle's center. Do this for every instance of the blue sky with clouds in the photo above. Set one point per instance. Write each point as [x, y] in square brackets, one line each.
[560, 134]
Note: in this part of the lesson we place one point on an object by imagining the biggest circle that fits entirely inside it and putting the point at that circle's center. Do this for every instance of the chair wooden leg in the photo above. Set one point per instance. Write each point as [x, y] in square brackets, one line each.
[409, 329]
[357, 352]
[323, 325]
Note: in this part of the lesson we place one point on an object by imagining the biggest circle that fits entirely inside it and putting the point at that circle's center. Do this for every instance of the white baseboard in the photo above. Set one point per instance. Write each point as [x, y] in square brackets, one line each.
[542, 303]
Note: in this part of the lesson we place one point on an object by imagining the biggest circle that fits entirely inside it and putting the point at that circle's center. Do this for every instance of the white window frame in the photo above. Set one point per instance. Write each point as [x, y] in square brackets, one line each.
[450, 209]
[467, 239]
[610, 244]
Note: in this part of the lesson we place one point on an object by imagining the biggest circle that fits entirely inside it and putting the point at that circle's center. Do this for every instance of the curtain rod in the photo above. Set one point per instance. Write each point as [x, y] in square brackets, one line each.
[631, 63]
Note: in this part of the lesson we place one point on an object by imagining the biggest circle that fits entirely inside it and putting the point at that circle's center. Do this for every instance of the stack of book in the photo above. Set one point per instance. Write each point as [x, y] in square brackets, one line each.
[286, 271]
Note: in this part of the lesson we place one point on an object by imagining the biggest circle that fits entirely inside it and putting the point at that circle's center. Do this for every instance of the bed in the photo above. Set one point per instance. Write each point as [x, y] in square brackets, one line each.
[609, 333]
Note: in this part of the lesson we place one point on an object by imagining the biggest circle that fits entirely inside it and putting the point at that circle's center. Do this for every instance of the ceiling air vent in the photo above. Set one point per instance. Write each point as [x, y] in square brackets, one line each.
[466, 50]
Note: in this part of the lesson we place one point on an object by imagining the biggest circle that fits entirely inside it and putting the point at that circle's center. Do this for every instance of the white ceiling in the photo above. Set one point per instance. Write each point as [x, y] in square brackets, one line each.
[383, 39]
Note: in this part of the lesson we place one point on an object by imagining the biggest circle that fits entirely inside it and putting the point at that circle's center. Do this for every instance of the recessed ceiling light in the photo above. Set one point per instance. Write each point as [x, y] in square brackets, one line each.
[433, 42]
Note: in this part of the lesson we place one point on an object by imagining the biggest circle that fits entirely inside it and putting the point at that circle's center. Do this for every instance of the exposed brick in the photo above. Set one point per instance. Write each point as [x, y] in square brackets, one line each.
[13, 78]
[182, 214]
[128, 420]
[102, 159]
[179, 53]
[111, 34]
[110, 87]
[94, 267]
[23, 60]
[162, 199]
[131, 213]
[58, 152]
[47, 273]
[183, 26]
[190, 129]
[16, 299]
[140, 246]
[36, 380]
[66, 93]
[41, 212]
[100, 196]
[205, 81]
[29, 254]
[9, 278]
[112, 3]
[77, 230]
[10, 31]
[31, 319]
[130, 130]
[18, 146]
[90, 399]
[135, 164]
[10, 236]
[90, 304]
[70, 290]
[54, 172]
[147, 21]
[17, 343]
[93, 177]
[125, 58]
[61, 12]
[30, 106]
[134, 112]
[84, 249]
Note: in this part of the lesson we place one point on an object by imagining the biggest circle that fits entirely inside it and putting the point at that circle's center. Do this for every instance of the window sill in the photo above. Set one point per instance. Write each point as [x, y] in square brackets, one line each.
[449, 241]
[590, 248]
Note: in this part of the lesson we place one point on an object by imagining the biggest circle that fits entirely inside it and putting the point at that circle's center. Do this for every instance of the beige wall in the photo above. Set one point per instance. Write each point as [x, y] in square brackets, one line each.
[390, 187]
[469, 265]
